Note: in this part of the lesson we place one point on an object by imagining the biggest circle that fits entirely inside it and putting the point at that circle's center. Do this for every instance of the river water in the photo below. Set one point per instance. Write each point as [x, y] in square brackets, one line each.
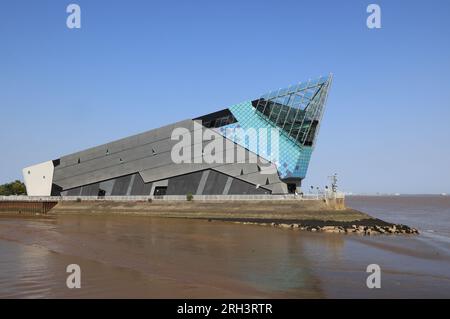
[147, 257]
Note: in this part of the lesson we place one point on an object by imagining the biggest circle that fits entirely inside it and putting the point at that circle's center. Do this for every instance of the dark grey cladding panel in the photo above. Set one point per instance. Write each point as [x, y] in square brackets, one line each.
[166, 168]
[184, 184]
[85, 173]
[153, 166]
[121, 186]
[107, 186]
[73, 192]
[56, 190]
[115, 164]
[140, 157]
[134, 160]
[56, 162]
[90, 190]
[215, 183]
[139, 187]
[124, 144]
[178, 185]
[241, 187]
[168, 171]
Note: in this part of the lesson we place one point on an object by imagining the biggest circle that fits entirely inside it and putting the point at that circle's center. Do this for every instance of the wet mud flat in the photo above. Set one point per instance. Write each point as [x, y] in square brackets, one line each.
[152, 257]
[320, 216]
[125, 250]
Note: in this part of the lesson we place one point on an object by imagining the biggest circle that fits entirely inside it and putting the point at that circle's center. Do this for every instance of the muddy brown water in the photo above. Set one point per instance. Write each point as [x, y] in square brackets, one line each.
[149, 257]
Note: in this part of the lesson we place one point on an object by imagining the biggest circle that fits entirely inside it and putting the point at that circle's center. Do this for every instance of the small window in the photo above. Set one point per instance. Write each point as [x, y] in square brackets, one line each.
[107, 152]
[153, 152]
[29, 172]
[79, 161]
[43, 177]
[160, 190]
[120, 160]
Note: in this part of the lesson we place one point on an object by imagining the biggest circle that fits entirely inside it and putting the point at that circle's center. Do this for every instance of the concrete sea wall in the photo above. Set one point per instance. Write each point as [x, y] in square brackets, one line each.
[312, 214]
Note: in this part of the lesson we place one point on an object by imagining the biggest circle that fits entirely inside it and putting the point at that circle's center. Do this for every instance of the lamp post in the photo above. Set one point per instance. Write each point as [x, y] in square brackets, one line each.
[334, 180]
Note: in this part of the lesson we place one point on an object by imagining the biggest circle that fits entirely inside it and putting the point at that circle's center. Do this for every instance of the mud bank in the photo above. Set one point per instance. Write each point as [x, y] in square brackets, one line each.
[312, 216]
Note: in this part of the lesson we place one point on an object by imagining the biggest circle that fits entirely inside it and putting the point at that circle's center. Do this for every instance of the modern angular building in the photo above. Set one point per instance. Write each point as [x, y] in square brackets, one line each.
[285, 123]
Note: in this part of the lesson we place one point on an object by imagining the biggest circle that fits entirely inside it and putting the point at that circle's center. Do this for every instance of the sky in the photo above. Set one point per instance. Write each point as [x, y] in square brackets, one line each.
[138, 65]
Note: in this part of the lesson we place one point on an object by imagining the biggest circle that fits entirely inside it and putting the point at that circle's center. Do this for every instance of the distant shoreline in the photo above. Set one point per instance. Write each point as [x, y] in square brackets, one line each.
[398, 195]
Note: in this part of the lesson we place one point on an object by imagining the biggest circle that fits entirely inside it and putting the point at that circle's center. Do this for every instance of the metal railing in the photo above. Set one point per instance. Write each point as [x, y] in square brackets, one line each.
[318, 196]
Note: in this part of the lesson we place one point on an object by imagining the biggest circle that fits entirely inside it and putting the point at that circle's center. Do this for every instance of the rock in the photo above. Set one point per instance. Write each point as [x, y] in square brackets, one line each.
[327, 228]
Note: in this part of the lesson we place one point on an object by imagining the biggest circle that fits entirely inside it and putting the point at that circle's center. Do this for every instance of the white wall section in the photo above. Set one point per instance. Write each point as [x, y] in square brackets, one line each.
[38, 179]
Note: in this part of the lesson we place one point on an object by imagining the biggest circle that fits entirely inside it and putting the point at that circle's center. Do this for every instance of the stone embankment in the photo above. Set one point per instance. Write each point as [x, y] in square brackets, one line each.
[386, 229]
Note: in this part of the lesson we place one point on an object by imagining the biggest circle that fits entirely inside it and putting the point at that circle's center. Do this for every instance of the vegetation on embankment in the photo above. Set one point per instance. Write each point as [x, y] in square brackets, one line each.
[13, 188]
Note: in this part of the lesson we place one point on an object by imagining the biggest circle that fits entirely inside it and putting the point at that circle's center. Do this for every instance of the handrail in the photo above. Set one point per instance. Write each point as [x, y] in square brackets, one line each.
[318, 196]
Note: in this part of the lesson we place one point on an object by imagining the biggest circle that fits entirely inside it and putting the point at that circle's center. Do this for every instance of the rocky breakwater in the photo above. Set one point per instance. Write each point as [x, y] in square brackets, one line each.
[361, 230]
[363, 227]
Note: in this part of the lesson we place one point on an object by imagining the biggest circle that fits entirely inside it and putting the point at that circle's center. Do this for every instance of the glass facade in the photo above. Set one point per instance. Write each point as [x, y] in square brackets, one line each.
[295, 112]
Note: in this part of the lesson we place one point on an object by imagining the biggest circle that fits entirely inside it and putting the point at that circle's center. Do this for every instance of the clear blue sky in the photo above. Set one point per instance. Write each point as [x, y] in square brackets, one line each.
[138, 65]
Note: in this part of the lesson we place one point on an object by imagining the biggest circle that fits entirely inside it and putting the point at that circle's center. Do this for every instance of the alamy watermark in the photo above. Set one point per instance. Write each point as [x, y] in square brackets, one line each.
[374, 19]
[73, 21]
[374, 279]
[74, 279]
[232, 145]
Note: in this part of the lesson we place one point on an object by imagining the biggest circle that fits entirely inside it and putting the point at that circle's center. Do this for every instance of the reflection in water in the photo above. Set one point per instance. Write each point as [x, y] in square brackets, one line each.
[151, 257]
[145, 257]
